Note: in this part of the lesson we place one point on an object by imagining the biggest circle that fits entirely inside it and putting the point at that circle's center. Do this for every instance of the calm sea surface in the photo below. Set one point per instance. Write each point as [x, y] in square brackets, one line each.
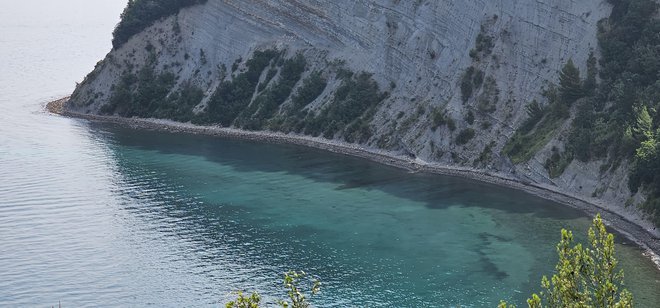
[98, 215]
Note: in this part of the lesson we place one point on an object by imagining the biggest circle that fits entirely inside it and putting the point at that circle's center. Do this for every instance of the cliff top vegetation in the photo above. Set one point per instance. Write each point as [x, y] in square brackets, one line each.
[140, 14]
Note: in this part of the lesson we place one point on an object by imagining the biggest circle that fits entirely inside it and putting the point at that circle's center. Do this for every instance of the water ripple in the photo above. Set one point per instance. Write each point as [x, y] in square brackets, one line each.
[94, 215]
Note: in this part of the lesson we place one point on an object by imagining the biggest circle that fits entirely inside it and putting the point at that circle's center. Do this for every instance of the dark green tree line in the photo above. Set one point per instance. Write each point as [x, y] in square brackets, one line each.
[617, 118]
[140, 14]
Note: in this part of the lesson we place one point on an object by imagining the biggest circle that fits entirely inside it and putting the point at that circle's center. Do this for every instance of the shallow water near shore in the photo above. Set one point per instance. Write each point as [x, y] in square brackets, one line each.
[95, 214]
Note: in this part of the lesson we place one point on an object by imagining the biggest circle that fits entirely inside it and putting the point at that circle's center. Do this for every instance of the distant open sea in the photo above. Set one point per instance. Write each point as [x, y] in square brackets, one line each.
[100, 215]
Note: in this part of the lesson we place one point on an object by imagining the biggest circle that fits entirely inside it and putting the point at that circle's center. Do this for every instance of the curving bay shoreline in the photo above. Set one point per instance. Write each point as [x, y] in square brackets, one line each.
[638, 230]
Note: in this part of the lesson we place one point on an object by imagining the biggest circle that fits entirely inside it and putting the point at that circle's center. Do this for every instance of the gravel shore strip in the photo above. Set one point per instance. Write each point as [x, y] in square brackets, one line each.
[640, 231]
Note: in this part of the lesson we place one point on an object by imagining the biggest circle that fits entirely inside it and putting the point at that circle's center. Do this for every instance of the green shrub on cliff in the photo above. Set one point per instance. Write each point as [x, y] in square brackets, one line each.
[471, 80]
[266, 104]
[233, 96]
[465, 136]
[312, 87]
[141, 94]
[439, 117]
[539, 128]
[351, 110]
[293, 118]
[148, 94]
[179, 105]
[140, 14]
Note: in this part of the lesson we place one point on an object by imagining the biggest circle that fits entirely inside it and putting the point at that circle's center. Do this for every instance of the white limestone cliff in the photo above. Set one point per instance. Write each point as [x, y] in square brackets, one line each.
[418, 50]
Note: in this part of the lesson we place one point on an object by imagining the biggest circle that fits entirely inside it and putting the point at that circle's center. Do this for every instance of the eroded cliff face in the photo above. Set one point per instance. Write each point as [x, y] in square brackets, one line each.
[453, 77]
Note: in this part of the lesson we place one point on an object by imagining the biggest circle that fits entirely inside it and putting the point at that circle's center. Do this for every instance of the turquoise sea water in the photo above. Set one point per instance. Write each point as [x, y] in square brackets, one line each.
[98, 215]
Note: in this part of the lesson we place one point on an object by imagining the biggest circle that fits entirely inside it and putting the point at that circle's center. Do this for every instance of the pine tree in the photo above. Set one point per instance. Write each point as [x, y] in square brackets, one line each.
[570, 84]
[592, 71]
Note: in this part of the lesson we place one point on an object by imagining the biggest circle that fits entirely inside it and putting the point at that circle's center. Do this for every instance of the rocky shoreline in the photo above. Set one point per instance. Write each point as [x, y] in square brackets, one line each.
[640, 231]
